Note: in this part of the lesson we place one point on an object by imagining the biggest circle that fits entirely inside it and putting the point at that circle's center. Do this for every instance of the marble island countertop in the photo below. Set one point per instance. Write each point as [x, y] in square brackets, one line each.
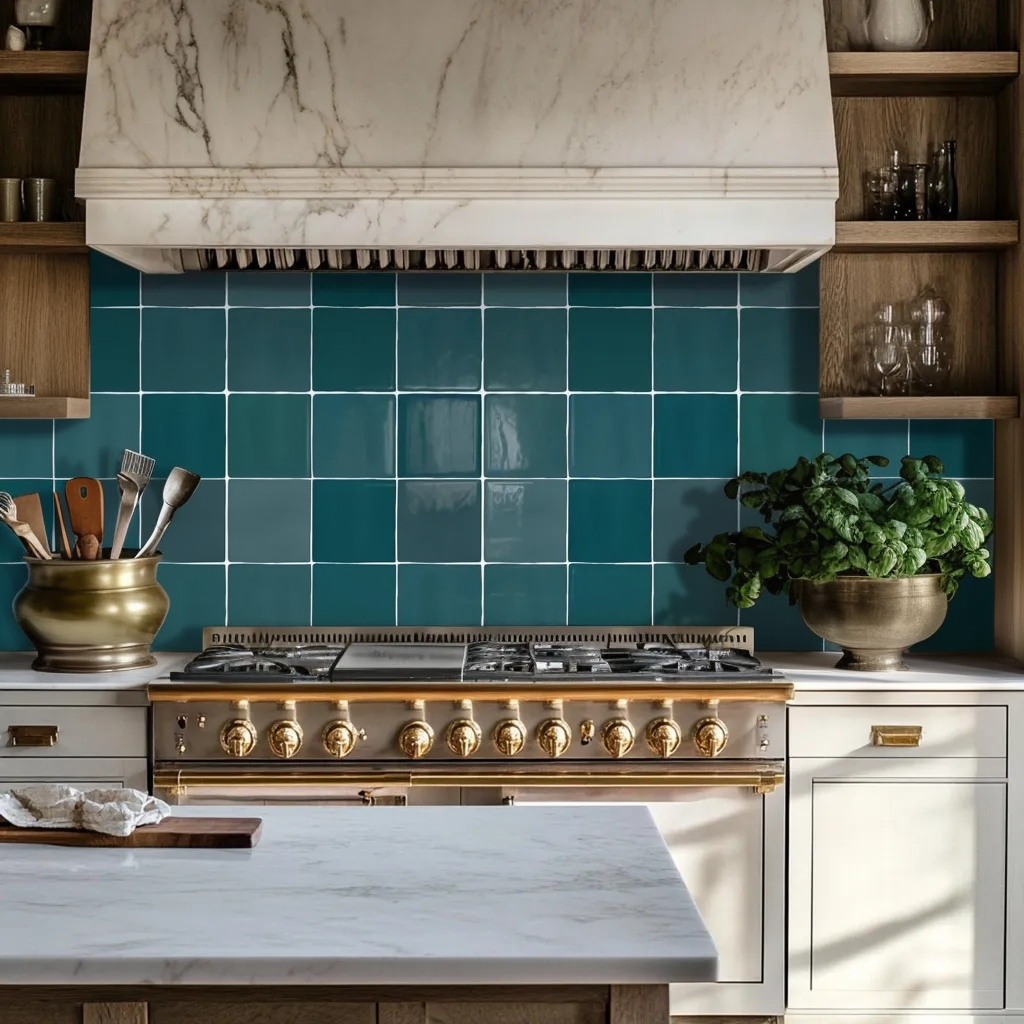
[412, 895]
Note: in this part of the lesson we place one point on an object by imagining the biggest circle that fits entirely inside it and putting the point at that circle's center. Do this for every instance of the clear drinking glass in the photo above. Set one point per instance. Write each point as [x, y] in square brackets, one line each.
[888, 358]
[930, 369]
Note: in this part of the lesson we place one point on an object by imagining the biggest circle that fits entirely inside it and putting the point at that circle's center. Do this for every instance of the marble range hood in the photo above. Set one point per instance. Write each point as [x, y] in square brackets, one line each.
[325, 134]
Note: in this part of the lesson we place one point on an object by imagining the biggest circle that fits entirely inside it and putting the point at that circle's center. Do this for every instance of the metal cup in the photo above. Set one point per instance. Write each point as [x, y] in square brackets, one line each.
[10, 199]
[39, 197]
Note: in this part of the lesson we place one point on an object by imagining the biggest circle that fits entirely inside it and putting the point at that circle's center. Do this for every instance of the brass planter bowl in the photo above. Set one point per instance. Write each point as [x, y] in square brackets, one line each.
[95, 616]
[874, 621]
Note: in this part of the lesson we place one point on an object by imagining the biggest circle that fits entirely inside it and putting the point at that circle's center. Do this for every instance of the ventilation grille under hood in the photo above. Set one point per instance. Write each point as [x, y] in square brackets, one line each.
[671, 135]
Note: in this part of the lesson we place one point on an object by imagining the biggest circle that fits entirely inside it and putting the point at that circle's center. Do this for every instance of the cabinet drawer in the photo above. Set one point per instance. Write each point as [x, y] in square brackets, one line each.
[947, 731]
[83, 772]
[79, 731]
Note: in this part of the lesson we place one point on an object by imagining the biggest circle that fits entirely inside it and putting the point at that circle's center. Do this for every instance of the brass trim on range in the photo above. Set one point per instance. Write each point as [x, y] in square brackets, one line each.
[769, 690]
[33, 735]
[896, 735]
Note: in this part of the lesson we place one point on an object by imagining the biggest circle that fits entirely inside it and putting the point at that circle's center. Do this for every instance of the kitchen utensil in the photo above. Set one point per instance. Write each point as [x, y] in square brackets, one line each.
[85, 509]
[30, 510]
[898, 25]
[178, 488]
[59, 514]
[10, 199]
[24, 532]
[89, 547]
[192, 833]
[132, 478]
[39, 198]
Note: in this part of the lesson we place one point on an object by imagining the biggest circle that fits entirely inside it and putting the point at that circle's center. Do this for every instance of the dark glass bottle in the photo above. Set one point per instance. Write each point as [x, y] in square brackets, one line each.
[944, 198]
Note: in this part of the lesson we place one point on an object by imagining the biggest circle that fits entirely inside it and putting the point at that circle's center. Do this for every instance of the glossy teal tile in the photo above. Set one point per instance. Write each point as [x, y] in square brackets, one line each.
[695, 435]
[696, 289]
[695, 349]
[778, 626]
[439, 289]
[206, 288]
[525, 521]
[354, 435]
[687, 512]
[11, 549]
[609, 521]
[183, 349]
[869, 437]
[524, 595]
[779, 350]
[93, 447]
[268, 435]
[610, 349]
[439, 349]
[439, 595]
[269, 522]
[524, 349]
[197, 595]
[269, 349]
[610, 435]
[775, 430]
[601, 595]
[966, 447]
[196, 534]
[685, 595]
[438, 435]
[12, 579]
[800, 289]
[185, 430]
[524, 435]
[354, 595]
[269, 290]
[354, 349]
[512, 288]
[439, 520]
[353, 289]
[26, 448]
[970, 619]
[111, 282]
[114, 349]
[609, 289]
[276, 594]
[354, 521]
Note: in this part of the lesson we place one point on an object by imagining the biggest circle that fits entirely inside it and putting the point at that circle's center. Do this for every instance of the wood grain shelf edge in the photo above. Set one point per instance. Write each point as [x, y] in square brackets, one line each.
[44, 63]
[923, 73]
[27, 237]
[925, 235]
[44, 408]
[952, 407]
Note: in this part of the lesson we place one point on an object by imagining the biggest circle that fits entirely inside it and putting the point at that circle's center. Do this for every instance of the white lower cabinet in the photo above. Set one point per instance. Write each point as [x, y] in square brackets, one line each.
[85, 772]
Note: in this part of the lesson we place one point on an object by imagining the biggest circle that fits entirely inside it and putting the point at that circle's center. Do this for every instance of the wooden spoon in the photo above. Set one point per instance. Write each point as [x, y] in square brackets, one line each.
[85, 509]
[59, 514]
[30, 510]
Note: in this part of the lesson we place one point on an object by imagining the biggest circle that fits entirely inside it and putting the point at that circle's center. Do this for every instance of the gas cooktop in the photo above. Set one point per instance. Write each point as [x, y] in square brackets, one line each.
[483, 661]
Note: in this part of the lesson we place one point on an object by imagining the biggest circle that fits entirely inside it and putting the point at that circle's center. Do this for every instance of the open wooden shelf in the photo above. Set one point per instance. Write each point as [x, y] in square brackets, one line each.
[926, 73]
[937, 407]
[43, 70]
[880, 236]
[28, 238]
[43, 408]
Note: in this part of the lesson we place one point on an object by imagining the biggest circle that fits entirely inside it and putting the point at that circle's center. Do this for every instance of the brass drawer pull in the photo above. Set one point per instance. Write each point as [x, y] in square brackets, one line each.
[896, 735]
[33, 735]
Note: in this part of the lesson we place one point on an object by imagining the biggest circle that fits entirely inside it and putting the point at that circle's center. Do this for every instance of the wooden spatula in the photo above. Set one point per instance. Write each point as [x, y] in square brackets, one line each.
[85, 509]
[30, 510]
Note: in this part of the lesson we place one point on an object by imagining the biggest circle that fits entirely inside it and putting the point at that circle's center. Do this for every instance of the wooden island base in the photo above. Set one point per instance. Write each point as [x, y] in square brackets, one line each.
[304, 1004]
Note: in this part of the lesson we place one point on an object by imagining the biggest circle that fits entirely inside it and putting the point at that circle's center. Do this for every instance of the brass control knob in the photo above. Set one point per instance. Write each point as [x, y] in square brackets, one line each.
[416, 739]
[463, 737]
[710, 737]
[238, 737]
[618, 736]
[285, 738]
[340, 737]
[554, 736]
[664, 736]
[509, 737]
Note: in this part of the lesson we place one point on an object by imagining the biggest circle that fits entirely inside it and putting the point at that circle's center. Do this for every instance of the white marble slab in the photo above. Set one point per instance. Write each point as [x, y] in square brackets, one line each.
[438, 895]
[16, 673]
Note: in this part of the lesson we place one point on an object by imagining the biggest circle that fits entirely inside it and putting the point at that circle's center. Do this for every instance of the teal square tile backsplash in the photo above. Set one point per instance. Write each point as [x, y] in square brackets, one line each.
[456, 448]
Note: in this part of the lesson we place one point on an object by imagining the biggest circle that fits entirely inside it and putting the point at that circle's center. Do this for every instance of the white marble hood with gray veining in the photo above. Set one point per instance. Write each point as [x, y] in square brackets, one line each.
[462, 128]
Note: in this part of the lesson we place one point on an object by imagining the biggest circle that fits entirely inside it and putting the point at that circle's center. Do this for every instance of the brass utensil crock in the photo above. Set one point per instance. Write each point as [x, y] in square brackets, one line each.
[91, 616]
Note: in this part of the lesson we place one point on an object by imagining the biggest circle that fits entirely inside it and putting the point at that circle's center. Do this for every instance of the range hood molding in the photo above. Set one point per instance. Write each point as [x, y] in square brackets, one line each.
[149, 201]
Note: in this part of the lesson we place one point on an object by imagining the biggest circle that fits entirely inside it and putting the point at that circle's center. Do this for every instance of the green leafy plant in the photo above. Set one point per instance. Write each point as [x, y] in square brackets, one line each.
[826, 518]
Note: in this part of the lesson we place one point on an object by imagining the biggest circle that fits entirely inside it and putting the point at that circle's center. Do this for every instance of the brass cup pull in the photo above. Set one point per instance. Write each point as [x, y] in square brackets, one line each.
[33, 735]
[896, 735]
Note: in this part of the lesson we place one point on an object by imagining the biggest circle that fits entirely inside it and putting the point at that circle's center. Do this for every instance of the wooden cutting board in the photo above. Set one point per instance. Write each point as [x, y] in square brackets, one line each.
[191, 833]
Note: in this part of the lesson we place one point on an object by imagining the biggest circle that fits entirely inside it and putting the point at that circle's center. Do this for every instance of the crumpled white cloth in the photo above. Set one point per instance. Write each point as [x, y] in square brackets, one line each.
[115, 812]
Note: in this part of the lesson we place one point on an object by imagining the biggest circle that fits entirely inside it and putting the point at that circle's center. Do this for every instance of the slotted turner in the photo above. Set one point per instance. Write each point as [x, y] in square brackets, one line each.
[134, 475]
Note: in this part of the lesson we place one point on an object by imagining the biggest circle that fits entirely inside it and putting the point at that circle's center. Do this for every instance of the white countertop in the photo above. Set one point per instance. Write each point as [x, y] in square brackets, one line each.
[16, 673]
[417, 895]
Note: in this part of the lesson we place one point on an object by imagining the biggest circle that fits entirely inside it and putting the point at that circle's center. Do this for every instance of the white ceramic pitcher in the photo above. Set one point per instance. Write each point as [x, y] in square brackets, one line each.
[898, 24]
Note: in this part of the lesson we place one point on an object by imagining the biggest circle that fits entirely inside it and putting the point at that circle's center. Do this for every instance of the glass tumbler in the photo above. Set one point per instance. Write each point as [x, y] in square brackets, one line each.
[888, 359]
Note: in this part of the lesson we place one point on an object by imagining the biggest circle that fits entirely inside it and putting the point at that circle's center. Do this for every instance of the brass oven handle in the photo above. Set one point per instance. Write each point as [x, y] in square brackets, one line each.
[33, 735]
[896, 735]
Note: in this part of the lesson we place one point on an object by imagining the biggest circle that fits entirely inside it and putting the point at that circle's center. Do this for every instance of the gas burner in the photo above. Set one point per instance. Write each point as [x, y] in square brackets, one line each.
[303, 661]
